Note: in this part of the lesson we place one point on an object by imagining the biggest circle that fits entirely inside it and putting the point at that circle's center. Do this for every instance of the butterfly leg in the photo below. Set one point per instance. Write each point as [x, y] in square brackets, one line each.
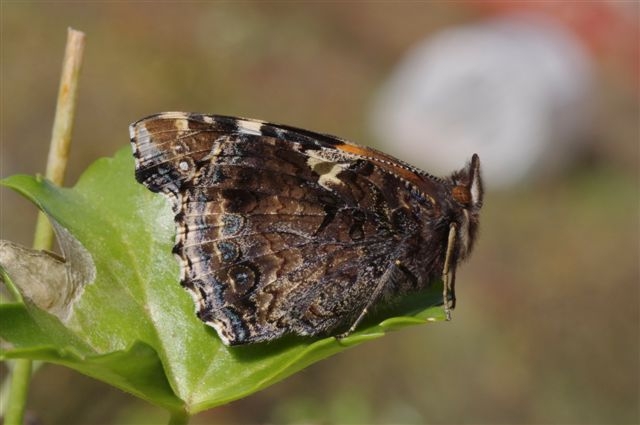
[384, 279]
[449, 275]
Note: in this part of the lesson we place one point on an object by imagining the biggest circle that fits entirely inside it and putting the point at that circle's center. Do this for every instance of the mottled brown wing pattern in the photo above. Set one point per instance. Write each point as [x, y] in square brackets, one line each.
[279, 230]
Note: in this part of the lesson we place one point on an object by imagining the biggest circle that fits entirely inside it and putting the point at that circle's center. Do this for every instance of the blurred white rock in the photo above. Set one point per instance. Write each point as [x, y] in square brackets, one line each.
[516, 90]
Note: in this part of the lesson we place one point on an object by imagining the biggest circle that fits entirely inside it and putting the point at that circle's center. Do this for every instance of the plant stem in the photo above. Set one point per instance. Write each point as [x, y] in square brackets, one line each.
[62, 126]
[179, 418]
[56, 166]
[19, 391]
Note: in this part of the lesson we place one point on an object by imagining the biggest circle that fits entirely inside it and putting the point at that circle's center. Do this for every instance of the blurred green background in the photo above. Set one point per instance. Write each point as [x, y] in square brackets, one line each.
[547, 326]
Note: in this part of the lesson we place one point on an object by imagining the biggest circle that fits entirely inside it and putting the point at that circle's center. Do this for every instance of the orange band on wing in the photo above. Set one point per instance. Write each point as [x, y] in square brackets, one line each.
[390, 164]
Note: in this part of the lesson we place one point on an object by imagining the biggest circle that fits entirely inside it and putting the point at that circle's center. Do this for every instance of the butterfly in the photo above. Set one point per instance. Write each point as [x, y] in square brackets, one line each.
[281, 230]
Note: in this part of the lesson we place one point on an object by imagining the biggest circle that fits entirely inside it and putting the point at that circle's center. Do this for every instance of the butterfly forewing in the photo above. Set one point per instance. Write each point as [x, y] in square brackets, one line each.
[281, 230]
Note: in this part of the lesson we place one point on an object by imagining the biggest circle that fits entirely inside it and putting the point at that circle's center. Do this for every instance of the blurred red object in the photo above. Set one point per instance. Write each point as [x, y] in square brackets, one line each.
[609, 29]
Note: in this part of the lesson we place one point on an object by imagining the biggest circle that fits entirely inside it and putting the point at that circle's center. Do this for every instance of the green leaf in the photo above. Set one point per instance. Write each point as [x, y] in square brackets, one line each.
[133, 326]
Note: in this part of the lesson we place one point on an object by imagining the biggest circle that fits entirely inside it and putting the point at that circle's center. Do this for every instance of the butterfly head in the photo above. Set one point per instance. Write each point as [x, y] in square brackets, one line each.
[467, 193]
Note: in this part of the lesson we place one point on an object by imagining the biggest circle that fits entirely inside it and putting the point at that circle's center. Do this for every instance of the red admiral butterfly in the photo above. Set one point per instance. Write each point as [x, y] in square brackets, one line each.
[282, 230]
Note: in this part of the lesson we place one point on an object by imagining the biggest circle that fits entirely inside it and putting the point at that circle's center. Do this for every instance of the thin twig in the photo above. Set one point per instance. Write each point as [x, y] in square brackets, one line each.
[62, 126]
[56, 166]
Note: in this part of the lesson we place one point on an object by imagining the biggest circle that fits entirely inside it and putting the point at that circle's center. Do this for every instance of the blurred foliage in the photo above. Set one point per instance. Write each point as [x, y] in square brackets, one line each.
[547, 325]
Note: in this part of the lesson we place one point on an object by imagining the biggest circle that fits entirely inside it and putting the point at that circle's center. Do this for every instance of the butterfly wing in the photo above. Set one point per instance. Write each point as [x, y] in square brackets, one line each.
[281, 230]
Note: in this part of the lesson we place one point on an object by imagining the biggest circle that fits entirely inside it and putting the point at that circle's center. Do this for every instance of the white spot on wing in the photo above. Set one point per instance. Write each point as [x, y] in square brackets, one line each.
[132, 132]
[182, 125]
[250, 127]
[327, 171]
